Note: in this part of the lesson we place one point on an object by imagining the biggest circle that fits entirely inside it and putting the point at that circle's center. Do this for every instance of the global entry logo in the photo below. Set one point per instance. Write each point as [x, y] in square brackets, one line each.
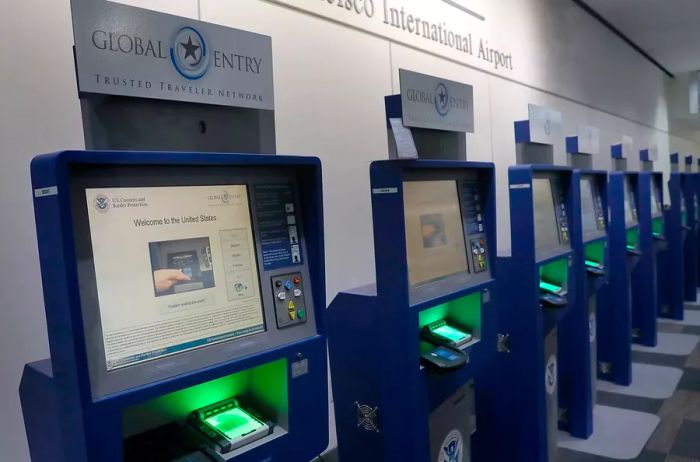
[442, 99]
[189, 53]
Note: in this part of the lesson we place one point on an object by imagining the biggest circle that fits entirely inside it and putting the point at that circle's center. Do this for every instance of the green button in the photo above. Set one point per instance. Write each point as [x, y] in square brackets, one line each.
[301, 314]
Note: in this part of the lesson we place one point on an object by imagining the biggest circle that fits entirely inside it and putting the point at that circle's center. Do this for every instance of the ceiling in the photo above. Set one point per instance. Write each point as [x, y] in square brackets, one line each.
[667, 30]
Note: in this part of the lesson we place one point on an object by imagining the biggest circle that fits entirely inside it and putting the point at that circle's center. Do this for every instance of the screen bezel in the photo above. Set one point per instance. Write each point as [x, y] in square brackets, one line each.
[104, 383]
[462, 280]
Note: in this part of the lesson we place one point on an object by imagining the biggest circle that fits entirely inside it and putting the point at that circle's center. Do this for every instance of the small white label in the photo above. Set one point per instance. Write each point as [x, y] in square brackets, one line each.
[385, 190]
[452, 448]
[405, 145]
[300, 368]
[43, 192]
[520, 186]
[550, 375]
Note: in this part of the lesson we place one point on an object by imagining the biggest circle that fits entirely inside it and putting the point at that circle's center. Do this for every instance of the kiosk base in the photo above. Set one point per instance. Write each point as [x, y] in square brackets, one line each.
[619, 433]
[38, 398]
[450, 431]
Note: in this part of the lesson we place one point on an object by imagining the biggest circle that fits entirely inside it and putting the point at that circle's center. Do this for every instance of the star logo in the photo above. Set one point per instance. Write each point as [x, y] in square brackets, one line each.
[189, 53]
[190, 49]
[442, 99]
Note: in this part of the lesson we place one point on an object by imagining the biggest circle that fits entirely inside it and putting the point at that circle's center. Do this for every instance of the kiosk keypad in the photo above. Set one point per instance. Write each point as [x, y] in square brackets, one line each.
[290, 306]
[479, 258]
[471, 201]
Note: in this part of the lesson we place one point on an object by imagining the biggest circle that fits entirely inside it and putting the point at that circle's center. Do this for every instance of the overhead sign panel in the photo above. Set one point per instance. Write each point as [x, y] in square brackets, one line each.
[128, 51]
[545, 125]
[434, 103]
[588, 140]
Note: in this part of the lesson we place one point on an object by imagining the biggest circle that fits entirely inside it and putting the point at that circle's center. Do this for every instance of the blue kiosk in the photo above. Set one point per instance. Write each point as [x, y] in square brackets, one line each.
[670, 269]
[661, 245]
[537, 286]
[184, 298]
[614, 327]
[645, 305]
[696, 208]
[406, 353]
[577, 385]
[690, 244]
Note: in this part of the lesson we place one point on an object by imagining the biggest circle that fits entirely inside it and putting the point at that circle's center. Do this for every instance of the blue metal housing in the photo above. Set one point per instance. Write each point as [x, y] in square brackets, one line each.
[374, 334]
[671, 259]
[519, 427]
[644, 288]
[577, 330]
[64, 422]
[690, 245]
[696, 207]
[615, 298]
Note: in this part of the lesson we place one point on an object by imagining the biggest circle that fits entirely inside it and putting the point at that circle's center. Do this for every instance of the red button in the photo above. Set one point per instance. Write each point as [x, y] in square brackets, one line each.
[297, 280]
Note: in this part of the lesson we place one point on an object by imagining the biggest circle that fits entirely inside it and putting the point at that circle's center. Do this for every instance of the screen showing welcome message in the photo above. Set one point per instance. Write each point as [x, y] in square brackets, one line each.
[175, 269]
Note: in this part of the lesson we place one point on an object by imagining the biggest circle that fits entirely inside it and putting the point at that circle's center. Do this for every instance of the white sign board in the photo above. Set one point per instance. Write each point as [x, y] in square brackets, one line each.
[434, 103]
[545, 125]
[653, 154]
[588, 140]
[627, 146]
[128, 51]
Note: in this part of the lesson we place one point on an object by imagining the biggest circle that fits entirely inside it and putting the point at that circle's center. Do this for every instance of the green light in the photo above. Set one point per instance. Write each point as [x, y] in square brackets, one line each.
[235, 423]
[549, 287]
[630, 247]
[450, 333]
[592, 264]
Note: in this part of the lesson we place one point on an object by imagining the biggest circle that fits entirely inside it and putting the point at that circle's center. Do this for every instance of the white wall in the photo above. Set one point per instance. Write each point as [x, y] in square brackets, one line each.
[330, 81]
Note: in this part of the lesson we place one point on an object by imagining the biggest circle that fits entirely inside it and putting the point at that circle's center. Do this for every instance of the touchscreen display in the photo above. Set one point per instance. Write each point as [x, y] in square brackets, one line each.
[435, 244]
[546, 228]
[630, 205]
[656, 207]
[175, 269]
[589, 215]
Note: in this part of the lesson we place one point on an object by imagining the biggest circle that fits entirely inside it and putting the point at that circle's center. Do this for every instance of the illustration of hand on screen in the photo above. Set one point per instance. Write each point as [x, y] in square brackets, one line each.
[165, 279]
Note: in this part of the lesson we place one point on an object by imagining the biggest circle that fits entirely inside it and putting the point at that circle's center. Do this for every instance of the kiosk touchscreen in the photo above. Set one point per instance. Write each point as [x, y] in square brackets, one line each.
[184, 298]
[537, 281]
[578, 336]
[434, 245]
